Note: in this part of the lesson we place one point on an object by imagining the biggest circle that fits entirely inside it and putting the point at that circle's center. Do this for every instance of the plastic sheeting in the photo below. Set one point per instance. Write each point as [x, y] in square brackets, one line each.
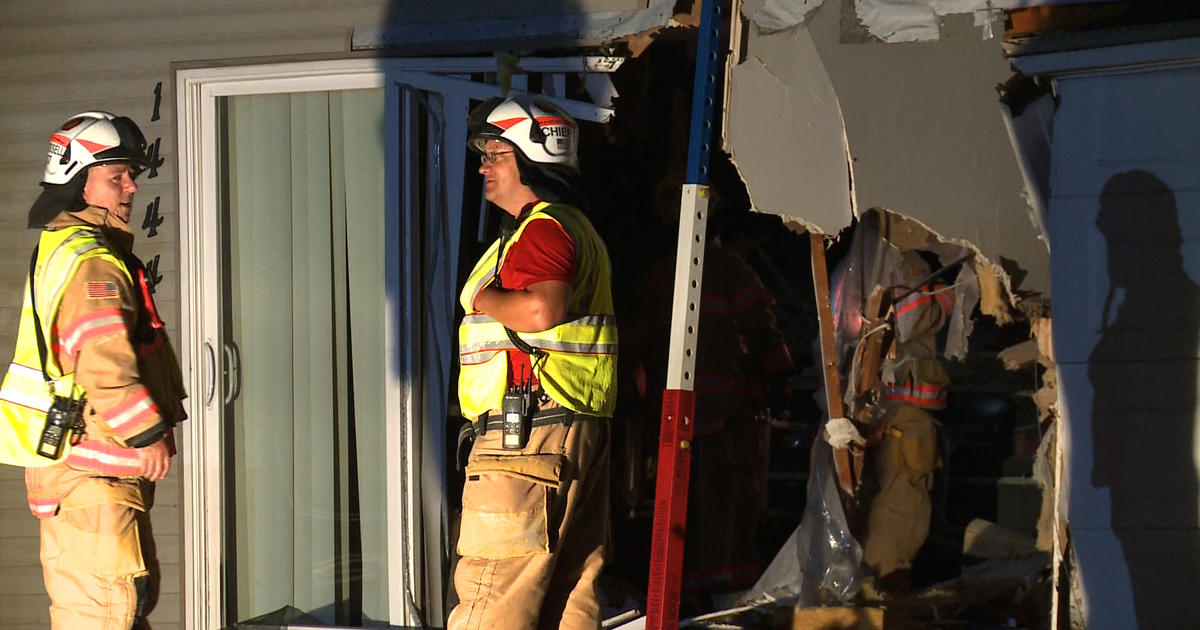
[820, 563]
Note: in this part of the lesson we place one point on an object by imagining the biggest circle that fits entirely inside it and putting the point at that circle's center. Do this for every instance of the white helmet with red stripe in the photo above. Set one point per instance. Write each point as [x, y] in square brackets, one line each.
[92, 138]
[542, 132]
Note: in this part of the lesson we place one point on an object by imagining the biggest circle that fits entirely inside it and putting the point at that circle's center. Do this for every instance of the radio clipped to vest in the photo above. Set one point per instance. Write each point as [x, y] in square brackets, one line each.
[64, 420]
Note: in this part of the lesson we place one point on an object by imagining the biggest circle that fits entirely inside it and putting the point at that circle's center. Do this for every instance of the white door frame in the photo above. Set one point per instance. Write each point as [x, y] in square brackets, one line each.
[197, 91]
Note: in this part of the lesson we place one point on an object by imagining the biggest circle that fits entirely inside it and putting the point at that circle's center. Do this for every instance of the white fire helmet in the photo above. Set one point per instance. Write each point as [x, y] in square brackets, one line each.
[541, 131]
[92, 138]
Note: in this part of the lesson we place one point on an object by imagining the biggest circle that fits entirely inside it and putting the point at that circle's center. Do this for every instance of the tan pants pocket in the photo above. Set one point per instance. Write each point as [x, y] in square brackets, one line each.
[506, 504]
[101, 540]
[918, 446]
[910, 436]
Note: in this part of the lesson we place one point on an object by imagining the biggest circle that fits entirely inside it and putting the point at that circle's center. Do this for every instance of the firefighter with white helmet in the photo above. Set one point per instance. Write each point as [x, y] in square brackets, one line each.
[94, 367]
[537, 350]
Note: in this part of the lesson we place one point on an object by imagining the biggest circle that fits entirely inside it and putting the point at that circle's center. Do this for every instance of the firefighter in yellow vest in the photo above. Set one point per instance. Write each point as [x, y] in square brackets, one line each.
[537, 350]
[93, 354]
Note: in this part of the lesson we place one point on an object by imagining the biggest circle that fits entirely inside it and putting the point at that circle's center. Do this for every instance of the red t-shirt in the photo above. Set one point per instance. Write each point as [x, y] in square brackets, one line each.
[544, 252]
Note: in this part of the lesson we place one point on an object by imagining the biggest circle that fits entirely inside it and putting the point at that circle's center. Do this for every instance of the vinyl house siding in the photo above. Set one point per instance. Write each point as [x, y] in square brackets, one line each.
[59, 58]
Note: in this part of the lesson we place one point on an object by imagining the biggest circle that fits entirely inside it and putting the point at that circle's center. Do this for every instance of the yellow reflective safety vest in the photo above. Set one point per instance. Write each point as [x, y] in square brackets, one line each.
[580, 368]
[24, 395]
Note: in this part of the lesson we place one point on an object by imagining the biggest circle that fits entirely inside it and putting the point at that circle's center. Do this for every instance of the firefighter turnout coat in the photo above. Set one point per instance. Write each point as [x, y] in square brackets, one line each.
[105, 340]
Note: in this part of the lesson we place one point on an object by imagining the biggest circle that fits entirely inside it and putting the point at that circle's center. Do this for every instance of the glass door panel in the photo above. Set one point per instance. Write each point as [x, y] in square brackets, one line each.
[303, 298]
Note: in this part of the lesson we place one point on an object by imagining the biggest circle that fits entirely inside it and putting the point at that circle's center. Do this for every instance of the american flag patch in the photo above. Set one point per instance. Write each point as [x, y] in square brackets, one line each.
[101, 290]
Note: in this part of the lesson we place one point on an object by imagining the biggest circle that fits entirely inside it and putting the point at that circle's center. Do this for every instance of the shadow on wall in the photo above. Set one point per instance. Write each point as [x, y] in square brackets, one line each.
[1143, 371]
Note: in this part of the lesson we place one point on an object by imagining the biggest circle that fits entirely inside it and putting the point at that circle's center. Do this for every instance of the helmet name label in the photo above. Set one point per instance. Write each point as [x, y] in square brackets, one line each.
[538, 130]
[58, 145]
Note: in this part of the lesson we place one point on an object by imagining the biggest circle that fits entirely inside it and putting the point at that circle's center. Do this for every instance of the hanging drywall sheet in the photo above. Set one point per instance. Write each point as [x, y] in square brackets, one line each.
[786, 134]
[928, 141]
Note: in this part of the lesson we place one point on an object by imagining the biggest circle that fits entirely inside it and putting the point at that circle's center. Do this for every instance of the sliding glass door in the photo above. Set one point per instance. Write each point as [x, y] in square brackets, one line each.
[303, 323]
[322, 210]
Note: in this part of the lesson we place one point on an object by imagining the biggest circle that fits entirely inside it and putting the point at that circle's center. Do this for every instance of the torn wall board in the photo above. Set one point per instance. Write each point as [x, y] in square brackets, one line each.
[898, 20]
[921, 127]
[895, 21]
[786, 133]
[927, 141]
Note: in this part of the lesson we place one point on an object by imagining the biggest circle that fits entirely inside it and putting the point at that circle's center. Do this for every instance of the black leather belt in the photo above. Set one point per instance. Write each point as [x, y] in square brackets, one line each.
[556, 415]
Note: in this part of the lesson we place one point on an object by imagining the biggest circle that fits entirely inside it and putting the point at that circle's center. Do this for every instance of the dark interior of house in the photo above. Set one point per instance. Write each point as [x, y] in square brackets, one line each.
[989, 428]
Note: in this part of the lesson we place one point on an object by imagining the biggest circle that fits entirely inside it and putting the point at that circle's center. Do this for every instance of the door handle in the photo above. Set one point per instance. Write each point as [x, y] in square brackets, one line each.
[210, 374]
[233, 371]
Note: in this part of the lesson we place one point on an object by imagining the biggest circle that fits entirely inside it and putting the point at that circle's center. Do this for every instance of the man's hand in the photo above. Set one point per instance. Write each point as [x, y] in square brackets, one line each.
[156, 460]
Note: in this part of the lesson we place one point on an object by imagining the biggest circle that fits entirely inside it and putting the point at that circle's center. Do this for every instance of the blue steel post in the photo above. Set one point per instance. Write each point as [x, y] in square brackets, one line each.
[674, 454]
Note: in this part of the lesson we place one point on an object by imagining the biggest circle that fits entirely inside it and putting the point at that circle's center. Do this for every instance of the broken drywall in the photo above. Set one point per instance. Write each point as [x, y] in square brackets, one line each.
[778, 15]
[895, 21]
[890, 21]
[786, 134]
[819, 128]
[926, 141]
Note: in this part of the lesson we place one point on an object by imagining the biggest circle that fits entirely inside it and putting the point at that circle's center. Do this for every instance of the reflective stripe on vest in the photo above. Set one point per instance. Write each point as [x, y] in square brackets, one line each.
[580, 367]
[24, 395]
[487, 343]
[914, 308]
[925, 395]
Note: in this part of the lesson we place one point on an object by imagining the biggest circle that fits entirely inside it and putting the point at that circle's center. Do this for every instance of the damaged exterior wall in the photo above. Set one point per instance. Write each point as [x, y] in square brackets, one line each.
[1125, 242]
[924, 132]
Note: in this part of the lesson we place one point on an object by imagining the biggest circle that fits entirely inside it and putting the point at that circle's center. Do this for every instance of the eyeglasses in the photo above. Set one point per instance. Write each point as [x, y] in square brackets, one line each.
[492, 158]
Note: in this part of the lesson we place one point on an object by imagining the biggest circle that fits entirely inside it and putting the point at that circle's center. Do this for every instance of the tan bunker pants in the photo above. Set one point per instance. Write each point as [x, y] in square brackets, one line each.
[900, 513]
[91, 558]
[534, 530]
